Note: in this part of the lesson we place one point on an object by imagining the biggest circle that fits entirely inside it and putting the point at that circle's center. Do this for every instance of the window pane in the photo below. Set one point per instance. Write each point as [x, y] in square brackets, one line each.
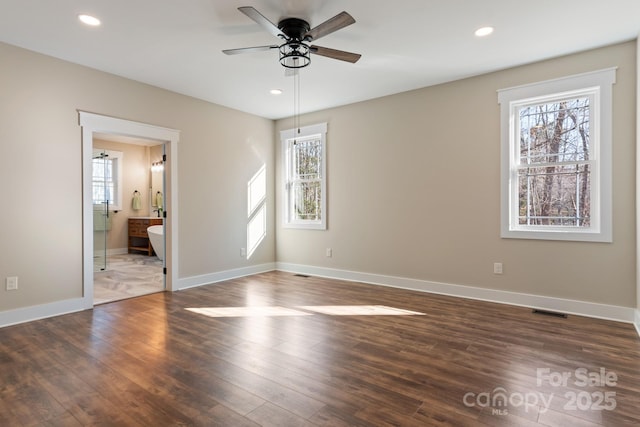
[307, 159]
[555, 132]
[307, 200]
[557, 195]
[98, 192]
[104, 186]
[98, 169]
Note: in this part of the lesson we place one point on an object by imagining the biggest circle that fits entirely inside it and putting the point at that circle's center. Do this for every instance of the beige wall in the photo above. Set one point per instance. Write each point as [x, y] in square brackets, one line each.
[40, 168]
[414, 191]
[413, 183]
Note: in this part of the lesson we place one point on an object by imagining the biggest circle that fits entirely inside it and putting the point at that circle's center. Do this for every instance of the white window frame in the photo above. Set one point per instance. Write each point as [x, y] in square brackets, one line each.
[598, 85]
[287, 137]
[117, 157]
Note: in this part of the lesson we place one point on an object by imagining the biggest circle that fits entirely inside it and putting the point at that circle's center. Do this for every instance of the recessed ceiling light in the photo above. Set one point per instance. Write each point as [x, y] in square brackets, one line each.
[276, 91]
[484, 31]
[89, 20]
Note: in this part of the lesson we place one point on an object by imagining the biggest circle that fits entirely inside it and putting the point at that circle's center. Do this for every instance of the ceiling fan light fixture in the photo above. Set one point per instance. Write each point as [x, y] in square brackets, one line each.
[295, 54]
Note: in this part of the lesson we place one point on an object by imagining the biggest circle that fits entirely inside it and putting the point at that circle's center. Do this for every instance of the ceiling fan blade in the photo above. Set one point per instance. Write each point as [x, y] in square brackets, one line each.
[335, 54]
[339, 21]
[249, 49]
[260, 19]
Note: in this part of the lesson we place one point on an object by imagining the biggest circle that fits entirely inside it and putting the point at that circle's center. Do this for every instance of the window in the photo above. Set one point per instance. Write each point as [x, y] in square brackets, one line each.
[305, 177]
[556, 158]
[107, 179]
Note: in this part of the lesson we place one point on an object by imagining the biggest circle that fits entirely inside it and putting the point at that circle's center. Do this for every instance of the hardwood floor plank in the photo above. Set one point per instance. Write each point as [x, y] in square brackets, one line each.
[554, 418]
[270, 415]
[64, 420]
[153, 361]
[335, 417]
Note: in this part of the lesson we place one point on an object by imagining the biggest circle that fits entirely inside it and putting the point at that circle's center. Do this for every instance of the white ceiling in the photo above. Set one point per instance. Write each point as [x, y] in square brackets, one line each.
[405, 44]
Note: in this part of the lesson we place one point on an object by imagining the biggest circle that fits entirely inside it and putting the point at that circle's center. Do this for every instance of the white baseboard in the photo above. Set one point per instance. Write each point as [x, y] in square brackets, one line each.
[207, 279]
[581, 308]
[58, 308]
[36, 312]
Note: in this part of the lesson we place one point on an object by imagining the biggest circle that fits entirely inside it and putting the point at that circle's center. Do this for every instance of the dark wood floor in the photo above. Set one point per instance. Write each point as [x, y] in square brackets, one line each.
[149, 361]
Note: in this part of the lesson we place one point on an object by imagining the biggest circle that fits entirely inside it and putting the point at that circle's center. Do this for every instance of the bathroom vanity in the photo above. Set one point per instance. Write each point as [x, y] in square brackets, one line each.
[138, 237]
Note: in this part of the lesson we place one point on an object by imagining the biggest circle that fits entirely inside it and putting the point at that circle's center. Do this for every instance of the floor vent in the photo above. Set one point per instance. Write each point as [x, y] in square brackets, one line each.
[549, 313]
[301, 275]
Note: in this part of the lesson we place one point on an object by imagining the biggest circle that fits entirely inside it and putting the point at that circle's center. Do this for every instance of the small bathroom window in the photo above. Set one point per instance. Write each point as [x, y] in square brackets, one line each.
[107, 179]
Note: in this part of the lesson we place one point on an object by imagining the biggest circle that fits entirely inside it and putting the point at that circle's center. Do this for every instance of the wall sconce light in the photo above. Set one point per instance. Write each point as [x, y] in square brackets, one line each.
[157, 167]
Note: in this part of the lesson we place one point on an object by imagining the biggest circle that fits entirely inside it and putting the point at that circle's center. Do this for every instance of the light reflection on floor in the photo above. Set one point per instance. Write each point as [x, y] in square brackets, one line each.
[247, 311]
[360, 310]
[307, 310]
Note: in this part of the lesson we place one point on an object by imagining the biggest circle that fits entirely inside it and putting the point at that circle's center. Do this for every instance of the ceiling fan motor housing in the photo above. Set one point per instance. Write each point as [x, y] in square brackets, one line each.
[294, 28]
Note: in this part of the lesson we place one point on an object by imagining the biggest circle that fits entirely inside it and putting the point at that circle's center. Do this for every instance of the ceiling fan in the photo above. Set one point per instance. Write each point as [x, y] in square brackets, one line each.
[298, 35]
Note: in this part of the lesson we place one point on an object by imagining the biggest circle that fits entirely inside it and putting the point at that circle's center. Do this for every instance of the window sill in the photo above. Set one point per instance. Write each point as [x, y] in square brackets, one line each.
[562, 235]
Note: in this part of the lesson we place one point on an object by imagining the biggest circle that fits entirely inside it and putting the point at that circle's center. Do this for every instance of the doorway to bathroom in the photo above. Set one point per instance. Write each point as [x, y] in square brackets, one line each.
[128, 202]
[129, 172]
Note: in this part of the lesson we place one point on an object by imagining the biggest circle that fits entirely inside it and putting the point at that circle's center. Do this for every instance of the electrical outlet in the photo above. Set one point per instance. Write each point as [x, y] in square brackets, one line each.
[12, 283]
[329, 253]
[243, 251]
[497, 268]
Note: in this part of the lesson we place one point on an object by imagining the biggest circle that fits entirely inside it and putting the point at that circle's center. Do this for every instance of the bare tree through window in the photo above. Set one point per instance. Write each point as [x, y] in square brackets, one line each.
[305, 179]
[556, 158]
[307, 176]
[554, 173]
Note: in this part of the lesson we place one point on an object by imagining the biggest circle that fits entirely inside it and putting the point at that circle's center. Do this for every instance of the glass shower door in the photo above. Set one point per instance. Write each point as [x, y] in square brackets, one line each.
[101, 220]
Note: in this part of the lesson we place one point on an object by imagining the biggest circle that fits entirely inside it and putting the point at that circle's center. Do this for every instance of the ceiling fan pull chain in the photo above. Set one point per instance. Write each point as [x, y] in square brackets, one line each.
[296, 103]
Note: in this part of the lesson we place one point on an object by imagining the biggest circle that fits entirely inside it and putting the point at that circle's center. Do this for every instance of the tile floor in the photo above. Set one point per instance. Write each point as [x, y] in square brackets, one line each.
[127, 276]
